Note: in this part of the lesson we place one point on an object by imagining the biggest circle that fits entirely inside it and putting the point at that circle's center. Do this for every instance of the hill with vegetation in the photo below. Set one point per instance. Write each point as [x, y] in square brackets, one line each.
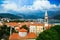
[51, 34]
[8, 15]
[57, 17]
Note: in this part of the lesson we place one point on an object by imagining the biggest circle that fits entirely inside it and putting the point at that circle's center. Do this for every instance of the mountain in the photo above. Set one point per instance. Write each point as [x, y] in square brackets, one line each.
[30, 15]
[8, 15]
[57, 17]
[35, 14]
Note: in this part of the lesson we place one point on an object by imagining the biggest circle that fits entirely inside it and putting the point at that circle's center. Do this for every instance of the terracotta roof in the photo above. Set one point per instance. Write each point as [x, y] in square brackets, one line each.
[12, 23]
[37, 24]
[31, 35]
[22, 30]
[31, 23]
[24, 23]
[16, 36]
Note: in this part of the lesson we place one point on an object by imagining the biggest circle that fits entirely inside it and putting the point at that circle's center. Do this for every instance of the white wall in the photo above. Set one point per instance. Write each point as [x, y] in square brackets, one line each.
[22, 34]
[33, 29]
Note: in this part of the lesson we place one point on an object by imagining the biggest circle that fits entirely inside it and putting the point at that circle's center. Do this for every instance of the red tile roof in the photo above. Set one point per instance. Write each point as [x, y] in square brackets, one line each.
[12, 23]
[23, 23]
[22, 30]
[16, 36]
[28, 24]
[31, 35]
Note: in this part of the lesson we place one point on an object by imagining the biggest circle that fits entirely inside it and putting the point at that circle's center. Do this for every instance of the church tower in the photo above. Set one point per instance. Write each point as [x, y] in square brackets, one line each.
[46, 20]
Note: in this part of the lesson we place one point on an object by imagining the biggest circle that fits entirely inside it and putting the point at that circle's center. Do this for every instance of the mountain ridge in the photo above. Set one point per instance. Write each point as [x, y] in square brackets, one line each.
[8, 15]
[28, 16]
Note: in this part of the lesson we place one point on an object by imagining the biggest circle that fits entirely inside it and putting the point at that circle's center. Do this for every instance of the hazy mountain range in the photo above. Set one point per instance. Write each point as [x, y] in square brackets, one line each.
[31, 15]
[8, 15]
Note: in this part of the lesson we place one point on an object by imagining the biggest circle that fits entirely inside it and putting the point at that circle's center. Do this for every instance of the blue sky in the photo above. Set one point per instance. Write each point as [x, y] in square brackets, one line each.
[29, 5]
[57, 2]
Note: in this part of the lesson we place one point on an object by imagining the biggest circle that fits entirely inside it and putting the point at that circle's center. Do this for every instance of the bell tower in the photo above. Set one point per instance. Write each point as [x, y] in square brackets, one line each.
[46, 20]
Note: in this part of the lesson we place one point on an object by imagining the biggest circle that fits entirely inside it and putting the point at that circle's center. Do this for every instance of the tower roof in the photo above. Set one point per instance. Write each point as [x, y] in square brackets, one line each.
[46, 14]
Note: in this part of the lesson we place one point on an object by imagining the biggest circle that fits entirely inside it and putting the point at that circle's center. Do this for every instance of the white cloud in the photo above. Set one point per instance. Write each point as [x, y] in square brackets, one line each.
[43, 4]
[10, 6]
[37, 5]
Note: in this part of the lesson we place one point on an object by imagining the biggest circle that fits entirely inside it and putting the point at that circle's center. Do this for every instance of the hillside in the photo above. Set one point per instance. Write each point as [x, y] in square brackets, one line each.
[8, 15]
[57, 17]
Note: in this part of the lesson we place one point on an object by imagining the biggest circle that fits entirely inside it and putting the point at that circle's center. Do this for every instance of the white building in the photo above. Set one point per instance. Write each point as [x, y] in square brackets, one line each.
[36, 28]
[22, 32]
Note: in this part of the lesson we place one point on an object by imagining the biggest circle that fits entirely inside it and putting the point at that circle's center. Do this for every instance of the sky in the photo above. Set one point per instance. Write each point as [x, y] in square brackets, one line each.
[26, 6]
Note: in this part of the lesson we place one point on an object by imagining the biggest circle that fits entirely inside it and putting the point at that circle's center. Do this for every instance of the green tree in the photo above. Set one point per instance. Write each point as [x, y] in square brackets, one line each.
[51, 34]
[5, 32]
[25, 27]
[57, 28]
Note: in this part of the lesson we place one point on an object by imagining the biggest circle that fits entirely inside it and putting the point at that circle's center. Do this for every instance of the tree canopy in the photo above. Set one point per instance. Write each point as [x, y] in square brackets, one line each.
[51, 34]
[25, 27]
[5, 32]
